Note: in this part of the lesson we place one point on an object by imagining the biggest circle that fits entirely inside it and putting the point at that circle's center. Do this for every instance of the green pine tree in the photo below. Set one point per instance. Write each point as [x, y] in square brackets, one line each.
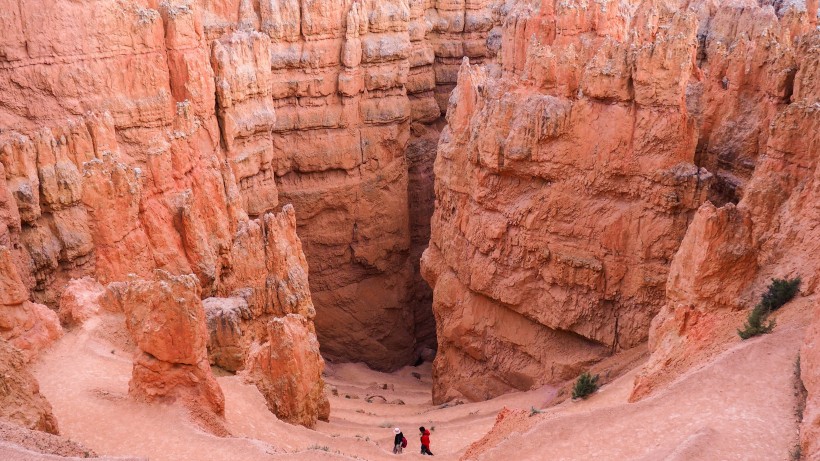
[585, 385]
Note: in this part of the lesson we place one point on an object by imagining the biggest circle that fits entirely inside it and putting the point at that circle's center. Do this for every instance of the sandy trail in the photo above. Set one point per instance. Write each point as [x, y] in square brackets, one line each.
[85, 377]
[737, 406]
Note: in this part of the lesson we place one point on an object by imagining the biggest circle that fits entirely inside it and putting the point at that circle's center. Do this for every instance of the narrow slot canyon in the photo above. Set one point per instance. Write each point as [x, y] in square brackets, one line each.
[279, 229]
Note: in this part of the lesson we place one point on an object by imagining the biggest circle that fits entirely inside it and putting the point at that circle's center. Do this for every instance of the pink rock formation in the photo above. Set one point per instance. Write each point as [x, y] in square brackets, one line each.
[20, 398]
[80, 301]
[731, 253]
[115, 166]
[225, 318]
[810, 374]
[26, 325]
[167, 322]
[564, 182]
[569, 174]
[288, 371]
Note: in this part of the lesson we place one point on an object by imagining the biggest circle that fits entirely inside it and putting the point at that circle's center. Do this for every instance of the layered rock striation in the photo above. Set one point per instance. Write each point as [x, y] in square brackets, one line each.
[346, 80]
[565, 179]
[117, 162]
[20, 400]
[163, 136]
[145, 138]
[571, 169]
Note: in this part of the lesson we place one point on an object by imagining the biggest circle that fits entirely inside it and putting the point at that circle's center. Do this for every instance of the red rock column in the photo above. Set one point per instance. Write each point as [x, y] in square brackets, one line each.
[167, 322]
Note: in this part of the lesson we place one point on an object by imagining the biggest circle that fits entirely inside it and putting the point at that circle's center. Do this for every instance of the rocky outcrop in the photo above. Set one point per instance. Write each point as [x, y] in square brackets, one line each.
[225, 318]
[26, 325]
[167, 323]
[80, 301]
[731, 253]
[263, 323]
[20, 399]
[287, 369]
[564, 182]
[570, 171]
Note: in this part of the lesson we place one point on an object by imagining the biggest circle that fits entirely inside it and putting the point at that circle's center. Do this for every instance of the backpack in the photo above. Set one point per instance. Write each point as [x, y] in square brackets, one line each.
[404, 442]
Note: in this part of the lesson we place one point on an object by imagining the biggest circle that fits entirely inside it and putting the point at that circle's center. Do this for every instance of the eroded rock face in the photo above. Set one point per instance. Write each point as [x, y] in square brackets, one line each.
[564, 182]
[225, 318]
[80, 301]
[167, 322]
[288, 365]
[345, 80]
[115, 167]
[20, 398]
[26, 325]
[569, 174]
[730, 254]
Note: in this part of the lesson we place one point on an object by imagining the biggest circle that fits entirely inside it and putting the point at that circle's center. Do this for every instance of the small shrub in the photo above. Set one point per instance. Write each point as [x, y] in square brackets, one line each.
[756, 323]
[319, 447]
[779, 292]
[585, 385]
[387, 424]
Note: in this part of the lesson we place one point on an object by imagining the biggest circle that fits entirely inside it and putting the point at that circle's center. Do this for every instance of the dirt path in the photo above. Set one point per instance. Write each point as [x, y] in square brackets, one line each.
[738, 406]
[85, 377]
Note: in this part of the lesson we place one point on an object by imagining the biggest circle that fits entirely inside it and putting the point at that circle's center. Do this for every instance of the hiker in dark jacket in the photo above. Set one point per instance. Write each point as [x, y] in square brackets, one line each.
[425, 441]
[399, 442]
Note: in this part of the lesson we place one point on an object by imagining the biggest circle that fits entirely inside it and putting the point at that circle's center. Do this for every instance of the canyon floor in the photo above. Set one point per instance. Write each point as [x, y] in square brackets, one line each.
[740, 405]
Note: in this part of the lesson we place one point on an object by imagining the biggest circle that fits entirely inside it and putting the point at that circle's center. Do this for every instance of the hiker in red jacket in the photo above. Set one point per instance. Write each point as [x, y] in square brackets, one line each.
[425, 441]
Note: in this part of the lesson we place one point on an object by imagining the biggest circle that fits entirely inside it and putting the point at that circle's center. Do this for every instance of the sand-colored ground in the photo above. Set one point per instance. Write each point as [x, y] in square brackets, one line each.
[739, 406]
[85, 377]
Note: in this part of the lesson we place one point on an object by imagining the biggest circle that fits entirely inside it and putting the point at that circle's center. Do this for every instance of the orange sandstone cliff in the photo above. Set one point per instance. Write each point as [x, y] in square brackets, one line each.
[138, 136]
[619, 159]
[608, 173]
[115, 160]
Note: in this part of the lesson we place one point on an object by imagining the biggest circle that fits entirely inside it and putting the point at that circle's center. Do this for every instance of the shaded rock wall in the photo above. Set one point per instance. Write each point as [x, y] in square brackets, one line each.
[119, 154]
[20, 398]
[118, 165]
[346, 80]
[570, 171]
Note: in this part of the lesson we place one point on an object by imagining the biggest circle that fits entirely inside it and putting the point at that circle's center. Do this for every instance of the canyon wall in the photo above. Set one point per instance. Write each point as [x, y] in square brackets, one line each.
[118, 151]
[138, 136]
[571, 169]
[20, 398]
[730, 253]
[347, 80]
